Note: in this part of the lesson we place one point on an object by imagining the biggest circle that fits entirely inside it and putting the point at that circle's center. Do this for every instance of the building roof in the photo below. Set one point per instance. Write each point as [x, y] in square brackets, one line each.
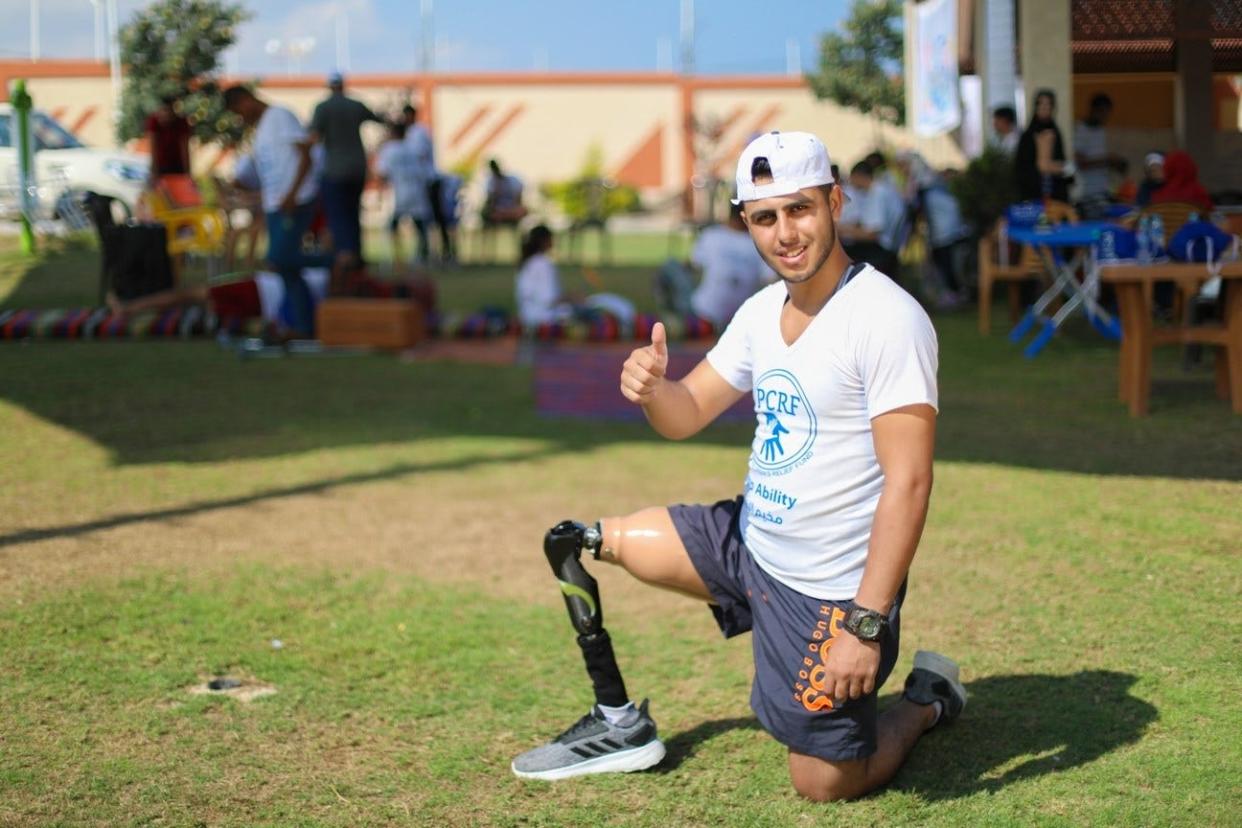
[1141, 35]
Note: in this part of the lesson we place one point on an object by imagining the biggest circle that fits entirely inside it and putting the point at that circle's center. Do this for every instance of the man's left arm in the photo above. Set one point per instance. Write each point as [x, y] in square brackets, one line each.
[300, 141]
[290, 201]
[904, 440]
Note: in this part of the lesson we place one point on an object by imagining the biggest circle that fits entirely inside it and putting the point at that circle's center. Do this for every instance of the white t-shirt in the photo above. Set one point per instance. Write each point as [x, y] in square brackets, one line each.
[539, 292]
[894, 208]
[732, 271]
[275, 158]
[814, 481]
[505, 191]
[1092, 142]
[418, 137]
[272, 290]
[398, 162]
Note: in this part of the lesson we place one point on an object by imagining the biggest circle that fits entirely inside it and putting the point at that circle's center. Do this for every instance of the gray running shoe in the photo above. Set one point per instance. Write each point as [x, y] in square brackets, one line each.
[595, 746]
[936, 678]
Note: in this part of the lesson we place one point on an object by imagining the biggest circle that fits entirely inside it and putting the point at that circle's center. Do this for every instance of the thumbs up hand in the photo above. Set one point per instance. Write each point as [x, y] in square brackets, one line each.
[644, 370]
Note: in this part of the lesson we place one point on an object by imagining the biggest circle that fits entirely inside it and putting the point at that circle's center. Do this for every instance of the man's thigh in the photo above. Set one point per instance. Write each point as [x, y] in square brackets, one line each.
[648, 546]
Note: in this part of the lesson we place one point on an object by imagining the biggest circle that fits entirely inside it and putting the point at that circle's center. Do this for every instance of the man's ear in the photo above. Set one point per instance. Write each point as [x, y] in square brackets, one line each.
[836, 201]
[745, 218]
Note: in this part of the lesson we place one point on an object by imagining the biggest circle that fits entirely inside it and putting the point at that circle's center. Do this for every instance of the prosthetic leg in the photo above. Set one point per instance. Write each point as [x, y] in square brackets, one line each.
[563, 545]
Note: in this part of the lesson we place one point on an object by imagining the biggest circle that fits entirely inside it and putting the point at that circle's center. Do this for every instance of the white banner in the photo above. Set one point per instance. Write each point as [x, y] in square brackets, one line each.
[936, 106]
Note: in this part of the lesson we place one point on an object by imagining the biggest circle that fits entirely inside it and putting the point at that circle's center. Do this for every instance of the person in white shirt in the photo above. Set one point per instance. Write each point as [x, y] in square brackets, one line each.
[840, 365]
[398, 163]
[1005, 132]
[1094, 161]
[418, 136]
[538, 285]
[502, 206]
[732, 270]
[540, 297]
[871, 220]
[280, 160]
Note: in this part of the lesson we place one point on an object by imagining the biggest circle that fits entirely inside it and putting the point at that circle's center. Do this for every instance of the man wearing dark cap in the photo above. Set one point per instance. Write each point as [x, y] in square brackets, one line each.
[336, 125]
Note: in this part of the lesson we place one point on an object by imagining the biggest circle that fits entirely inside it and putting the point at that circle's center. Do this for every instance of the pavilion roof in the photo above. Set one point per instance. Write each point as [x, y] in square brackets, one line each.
[1141, 35]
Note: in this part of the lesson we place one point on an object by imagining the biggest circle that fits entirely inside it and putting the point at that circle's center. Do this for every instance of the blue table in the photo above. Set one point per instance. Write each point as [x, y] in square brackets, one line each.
[1052, 242]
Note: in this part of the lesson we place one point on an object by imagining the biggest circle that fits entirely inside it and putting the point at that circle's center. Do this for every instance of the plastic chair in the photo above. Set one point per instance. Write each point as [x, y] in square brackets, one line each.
[994, 268]
[193, 227]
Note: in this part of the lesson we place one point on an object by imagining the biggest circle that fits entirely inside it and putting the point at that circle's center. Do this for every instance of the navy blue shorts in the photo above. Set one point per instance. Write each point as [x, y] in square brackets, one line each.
[792, 634]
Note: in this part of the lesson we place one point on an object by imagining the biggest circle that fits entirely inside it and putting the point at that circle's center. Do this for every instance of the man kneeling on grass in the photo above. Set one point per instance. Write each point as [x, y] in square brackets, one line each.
[812, 557]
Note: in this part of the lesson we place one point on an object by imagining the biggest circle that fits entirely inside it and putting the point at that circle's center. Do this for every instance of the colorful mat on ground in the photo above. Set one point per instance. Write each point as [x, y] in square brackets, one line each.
[184, 323]
[101, 323]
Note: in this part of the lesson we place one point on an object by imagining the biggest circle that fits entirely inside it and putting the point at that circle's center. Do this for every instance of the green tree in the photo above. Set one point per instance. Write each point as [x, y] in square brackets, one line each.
[173, 47]
[590, 194]
[861, 66]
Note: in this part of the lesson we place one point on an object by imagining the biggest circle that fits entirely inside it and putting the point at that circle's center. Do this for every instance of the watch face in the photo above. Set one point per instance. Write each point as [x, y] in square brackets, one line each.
[869, 627]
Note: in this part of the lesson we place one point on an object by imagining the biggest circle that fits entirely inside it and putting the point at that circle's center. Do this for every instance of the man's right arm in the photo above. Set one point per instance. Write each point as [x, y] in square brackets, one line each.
[676, 409]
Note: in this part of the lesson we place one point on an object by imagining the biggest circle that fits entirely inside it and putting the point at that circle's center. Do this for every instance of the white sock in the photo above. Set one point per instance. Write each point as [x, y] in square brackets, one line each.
[938, 707]
[615, 715]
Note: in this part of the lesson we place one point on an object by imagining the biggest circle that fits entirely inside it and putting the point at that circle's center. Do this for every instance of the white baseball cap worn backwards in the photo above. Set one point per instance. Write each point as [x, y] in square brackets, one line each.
[796, 159]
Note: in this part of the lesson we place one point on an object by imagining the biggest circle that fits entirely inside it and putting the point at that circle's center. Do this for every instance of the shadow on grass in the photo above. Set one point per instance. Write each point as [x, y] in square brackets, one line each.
[684, 745]
[315, 487]
[1016, 728]
[1022, 726]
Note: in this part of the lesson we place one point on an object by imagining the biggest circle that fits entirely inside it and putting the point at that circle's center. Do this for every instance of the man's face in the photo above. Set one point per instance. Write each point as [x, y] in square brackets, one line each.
[860, 182]
[1100, 114]
[245, 109]
[795, 233]
[1001, 126]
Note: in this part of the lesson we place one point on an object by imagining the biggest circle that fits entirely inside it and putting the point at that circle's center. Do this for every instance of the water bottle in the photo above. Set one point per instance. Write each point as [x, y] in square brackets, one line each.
[1156, 228]
[1108, 246]
[1144, 240]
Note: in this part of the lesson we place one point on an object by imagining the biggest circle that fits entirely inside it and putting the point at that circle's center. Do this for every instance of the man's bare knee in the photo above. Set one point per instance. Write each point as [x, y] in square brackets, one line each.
[821, 781]
[823, 791]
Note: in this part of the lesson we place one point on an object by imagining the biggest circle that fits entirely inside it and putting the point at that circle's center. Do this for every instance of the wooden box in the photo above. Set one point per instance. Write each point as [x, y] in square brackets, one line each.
[375, 323]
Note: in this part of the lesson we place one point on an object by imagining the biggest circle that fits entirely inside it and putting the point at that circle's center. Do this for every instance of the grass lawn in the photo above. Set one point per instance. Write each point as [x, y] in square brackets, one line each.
[169, 511]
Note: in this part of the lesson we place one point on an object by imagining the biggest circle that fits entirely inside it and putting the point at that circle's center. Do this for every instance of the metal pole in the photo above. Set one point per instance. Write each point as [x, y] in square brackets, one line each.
[34, 30]
[101, 50]
[342, 42]
[687, 37]
[793, 57]
[429, 41]
[25, 164]
[114, 60]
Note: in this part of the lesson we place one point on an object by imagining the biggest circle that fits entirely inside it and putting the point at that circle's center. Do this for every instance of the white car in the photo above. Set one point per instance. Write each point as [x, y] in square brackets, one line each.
[65, 170]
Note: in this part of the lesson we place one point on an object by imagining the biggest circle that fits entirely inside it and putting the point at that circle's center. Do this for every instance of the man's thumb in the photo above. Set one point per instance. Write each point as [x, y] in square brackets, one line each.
[659, 340]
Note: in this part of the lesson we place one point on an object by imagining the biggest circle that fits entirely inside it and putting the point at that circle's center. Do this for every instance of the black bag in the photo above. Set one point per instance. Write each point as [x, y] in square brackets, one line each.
[136, 261]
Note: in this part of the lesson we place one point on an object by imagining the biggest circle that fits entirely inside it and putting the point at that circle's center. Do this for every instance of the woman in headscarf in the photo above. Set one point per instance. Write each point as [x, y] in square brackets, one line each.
[1040, 164]
[1181, 183]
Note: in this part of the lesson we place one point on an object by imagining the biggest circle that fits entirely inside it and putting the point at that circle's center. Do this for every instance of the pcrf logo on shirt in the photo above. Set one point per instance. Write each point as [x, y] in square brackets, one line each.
[785, 422]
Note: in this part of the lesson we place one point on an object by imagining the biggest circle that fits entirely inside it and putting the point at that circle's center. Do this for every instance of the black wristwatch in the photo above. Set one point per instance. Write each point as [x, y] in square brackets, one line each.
[865, 624]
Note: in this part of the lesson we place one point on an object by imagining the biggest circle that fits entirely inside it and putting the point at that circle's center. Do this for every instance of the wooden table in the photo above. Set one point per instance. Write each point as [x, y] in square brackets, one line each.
[1139, 336]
